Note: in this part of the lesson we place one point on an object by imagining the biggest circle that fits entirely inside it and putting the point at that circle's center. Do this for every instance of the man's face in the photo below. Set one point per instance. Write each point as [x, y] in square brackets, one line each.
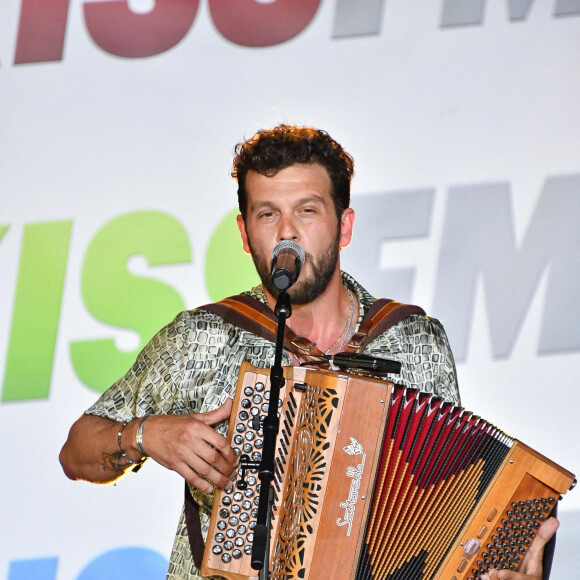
[295, 204]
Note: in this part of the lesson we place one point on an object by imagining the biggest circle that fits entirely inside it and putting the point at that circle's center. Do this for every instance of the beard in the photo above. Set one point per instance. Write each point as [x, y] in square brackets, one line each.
[310, 286]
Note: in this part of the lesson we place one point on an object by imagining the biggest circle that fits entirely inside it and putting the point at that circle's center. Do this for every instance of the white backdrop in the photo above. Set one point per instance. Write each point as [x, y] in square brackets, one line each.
[464, 124]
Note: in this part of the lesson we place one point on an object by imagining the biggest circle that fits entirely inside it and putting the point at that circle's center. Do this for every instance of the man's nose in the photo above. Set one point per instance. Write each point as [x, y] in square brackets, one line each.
[287, 229]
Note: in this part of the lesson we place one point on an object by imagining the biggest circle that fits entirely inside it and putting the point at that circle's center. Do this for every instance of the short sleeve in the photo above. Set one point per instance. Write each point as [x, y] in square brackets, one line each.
[420, 344]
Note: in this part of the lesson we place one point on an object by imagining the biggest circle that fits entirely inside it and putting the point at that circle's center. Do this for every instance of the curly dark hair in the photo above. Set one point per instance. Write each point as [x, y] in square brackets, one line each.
[271, 150]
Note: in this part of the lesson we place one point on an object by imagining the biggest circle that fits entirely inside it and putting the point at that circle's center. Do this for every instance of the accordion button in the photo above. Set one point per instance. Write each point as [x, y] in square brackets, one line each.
[482, 532]
[492, 515]
[462, 565]
[471, 548]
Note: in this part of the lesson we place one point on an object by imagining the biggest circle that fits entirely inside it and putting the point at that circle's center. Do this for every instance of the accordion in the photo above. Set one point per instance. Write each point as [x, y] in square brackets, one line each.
[377, 481]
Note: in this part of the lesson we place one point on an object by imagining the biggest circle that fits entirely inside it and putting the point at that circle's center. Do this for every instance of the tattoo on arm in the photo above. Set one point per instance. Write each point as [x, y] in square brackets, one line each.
[115, 461]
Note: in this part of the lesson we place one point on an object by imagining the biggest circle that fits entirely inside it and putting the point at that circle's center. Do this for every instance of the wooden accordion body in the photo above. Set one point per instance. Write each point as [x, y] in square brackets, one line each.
[375, 481]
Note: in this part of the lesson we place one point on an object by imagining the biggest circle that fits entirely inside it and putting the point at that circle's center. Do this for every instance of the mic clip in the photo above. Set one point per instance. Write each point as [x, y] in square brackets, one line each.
[359, 362]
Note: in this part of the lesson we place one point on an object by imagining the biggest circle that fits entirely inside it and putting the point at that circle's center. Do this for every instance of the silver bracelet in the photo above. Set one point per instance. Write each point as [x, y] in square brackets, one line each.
[119, 436]
[140, 436]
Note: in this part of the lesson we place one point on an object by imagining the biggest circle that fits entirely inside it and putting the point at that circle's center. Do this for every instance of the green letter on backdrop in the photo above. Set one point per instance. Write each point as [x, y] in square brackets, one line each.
[116, 297]
[36, 312]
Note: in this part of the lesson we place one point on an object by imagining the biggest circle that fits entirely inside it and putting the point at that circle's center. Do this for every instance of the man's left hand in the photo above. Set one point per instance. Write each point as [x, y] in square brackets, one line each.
[531, 567]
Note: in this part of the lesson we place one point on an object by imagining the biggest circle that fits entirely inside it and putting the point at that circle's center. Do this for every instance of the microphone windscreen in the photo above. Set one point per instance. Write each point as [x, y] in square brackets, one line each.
[289, 244]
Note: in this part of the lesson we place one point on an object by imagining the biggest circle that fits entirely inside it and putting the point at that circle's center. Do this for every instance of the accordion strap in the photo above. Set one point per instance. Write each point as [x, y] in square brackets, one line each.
[382, 314]
[193, 524]
[250, 314]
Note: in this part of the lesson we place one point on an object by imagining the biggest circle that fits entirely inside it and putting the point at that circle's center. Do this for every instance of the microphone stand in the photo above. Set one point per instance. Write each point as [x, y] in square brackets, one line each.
[261, 544]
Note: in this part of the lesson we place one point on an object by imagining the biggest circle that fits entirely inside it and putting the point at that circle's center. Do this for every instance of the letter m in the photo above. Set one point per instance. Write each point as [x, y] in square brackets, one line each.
[479, 243]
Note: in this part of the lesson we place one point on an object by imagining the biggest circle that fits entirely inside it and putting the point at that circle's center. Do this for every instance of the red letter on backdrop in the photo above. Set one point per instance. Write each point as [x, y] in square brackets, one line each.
[118, 30]
[253, 23]
[41, 31]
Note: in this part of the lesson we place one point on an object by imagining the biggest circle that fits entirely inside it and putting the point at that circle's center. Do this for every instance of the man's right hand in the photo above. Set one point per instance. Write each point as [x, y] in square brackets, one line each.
[187, 444]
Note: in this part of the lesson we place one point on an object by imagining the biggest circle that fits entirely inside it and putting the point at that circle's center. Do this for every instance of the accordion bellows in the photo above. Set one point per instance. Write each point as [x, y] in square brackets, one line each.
[376, 481]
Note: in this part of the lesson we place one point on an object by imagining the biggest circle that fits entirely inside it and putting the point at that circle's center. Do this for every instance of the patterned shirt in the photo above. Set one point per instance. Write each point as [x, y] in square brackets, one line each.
[192, 366]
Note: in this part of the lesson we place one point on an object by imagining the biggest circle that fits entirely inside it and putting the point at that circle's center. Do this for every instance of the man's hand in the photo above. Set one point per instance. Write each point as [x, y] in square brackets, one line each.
[189, 445]
[531, 566]
[186, 444]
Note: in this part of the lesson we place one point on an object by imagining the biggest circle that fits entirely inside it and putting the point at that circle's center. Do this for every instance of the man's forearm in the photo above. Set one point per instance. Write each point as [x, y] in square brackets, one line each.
[92, 451]
[101, 450]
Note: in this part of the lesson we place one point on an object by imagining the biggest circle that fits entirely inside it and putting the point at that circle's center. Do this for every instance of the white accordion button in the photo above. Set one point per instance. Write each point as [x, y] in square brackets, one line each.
[471, 548]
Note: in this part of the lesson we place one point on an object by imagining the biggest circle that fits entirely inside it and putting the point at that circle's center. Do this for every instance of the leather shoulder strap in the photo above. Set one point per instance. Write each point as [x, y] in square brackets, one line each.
[193, 523]
[383, 314]
[250, 314]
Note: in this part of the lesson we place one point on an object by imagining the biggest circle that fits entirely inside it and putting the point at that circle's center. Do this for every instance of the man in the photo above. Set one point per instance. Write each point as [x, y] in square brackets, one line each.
[293, 184]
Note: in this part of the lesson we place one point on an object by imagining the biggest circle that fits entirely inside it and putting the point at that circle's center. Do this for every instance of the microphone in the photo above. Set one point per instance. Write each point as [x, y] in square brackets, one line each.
[287, 259]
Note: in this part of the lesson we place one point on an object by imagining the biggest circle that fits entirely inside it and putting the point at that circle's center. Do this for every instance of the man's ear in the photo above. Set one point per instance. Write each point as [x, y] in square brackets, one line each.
[346, 226]
[242, 228]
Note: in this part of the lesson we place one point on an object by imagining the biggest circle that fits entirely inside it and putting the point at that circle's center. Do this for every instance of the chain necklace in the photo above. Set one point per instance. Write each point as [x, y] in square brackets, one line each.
[344, 335]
